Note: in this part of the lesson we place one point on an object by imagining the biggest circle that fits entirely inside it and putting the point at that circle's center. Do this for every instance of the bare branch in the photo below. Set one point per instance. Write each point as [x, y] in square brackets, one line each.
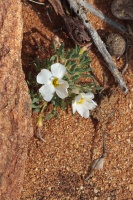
[102, 16]
[40, 135]
[57, 7]
[75, 5]
[37, 2]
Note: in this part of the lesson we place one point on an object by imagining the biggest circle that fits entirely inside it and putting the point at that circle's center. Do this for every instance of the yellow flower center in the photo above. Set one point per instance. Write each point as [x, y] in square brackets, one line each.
[55, 82]
[81, 101]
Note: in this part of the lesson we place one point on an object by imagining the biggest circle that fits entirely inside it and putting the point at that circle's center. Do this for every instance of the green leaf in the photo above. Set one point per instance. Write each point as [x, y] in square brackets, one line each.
[37, 110]
[75, 56]
[82, 59]
[77, 48]
[45, 64]
[68, 63]
[85, 54]
[61, 49]
[86, 61]
[48, 116]
[35, 106]
[54, 46]
[55, 114]
[65, 78]
[87, 76]
[84, 70]
[73, 62]
[35, 100]
[69, 54]
[87, 90]
[53, 58]
[73, 67]
[71, 73]
[77, 70]
[75, 78]
[63, 104]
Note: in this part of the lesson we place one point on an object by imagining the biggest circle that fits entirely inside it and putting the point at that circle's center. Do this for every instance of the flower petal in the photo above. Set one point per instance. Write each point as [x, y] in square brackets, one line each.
[86, 114]
[78, 98]
[44, 76]
[88, 95]
[90, 105]
[61, 90]
[47, 91]
[58, 70]
[83, 103]
[61, 81]
[74, 107]
[80, 109]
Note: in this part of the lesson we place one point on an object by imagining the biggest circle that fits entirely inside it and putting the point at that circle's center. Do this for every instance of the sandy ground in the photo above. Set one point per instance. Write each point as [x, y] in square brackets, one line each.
[56, 169]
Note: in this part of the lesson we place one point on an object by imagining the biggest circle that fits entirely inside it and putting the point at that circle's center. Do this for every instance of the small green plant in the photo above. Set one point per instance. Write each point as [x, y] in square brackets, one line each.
[67, 79]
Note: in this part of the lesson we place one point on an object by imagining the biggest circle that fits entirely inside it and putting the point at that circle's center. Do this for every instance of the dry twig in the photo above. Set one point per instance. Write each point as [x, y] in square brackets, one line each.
[40, 135]
[36, 2]
[98, 163]
[75, 5]
[102, 16]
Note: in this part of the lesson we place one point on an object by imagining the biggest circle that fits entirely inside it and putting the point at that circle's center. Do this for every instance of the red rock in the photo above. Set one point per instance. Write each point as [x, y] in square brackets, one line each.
[15, 106]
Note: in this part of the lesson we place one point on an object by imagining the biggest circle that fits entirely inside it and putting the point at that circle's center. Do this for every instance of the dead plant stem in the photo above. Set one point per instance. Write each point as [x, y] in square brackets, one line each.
[75, 5]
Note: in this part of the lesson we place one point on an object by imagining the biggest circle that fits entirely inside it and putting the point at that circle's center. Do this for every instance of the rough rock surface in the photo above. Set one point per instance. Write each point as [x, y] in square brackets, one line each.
[15, 109]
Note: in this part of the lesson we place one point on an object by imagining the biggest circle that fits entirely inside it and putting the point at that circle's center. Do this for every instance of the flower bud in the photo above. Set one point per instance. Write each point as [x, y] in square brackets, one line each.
[39, 121]
[82, 50]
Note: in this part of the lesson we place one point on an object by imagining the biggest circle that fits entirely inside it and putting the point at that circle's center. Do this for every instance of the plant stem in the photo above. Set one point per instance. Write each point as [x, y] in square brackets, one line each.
[37, 2]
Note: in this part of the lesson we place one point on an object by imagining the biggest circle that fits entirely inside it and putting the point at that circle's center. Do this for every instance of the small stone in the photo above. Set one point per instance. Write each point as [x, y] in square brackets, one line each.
[67, 168]
[122, 9]
[130, 105]
[33, 179]
[96, 190]
[46, 170]
[128, 140]
[131, 187]
[81, 187]
[49, 188]
[76, 146]
[116, 44]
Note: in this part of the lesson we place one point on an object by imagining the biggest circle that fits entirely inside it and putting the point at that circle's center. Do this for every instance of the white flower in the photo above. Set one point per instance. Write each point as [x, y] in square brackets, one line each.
[83, 103]
[53, 82]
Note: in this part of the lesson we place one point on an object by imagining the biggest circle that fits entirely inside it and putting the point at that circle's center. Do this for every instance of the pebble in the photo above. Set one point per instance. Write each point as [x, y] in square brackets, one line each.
[46, 170]
[131, 187]
[81, 187]
[116, 44]
[96, 190]
[128, 140]
[49, 188]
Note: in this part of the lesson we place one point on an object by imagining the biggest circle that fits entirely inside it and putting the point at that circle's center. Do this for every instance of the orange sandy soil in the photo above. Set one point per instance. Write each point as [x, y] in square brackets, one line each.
[56, 169]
